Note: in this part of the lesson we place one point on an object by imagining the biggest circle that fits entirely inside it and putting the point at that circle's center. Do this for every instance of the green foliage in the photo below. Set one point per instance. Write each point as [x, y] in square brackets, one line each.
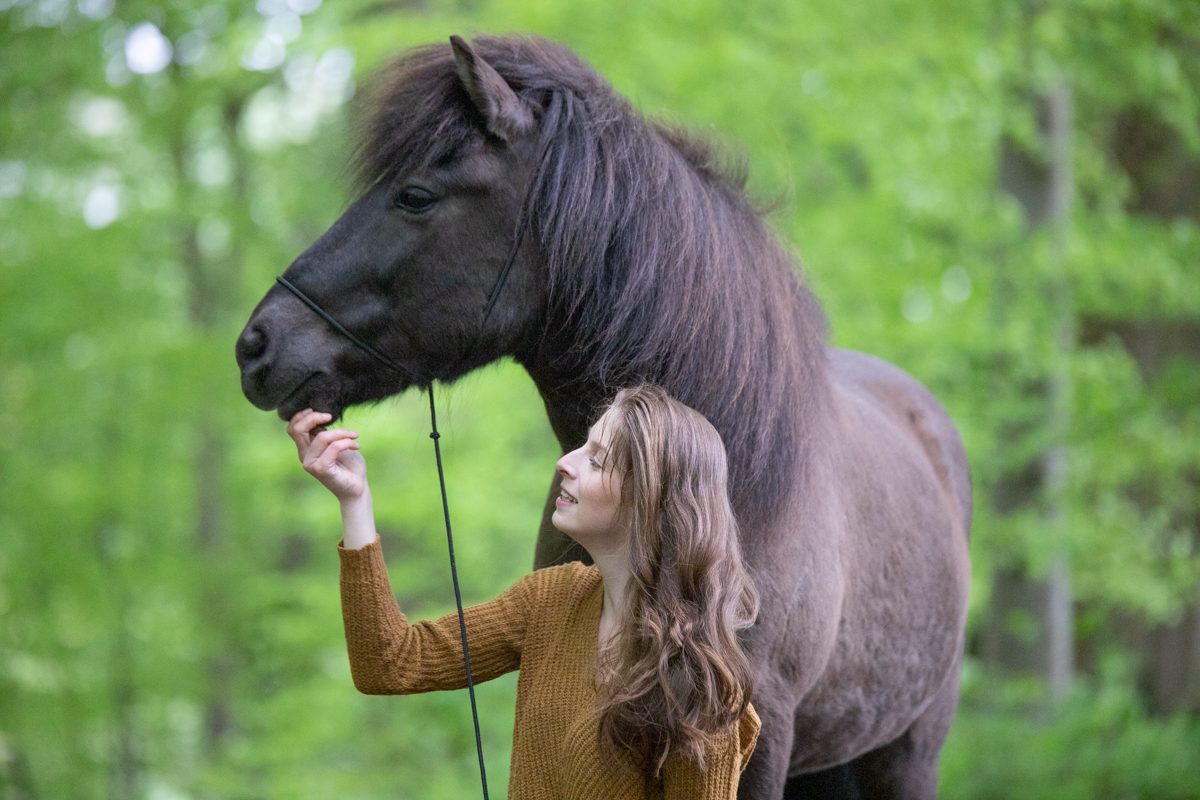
[169, 620]
[1101, 743]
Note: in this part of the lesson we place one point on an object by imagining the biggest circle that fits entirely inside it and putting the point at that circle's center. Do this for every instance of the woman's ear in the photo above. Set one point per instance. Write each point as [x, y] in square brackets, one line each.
[506, 115]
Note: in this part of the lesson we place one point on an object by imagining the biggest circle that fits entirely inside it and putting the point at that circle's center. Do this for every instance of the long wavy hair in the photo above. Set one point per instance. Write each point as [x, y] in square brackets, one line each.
[675, 671]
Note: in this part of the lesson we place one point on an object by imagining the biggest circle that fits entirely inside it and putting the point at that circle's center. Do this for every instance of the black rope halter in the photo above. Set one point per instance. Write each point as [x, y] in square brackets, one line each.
[374, 352]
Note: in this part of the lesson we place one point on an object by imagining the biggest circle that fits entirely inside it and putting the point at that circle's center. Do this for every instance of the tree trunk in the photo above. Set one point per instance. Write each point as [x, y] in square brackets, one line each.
[1030, 625]
[1060, 614]
[1164, 180]
[206, 286]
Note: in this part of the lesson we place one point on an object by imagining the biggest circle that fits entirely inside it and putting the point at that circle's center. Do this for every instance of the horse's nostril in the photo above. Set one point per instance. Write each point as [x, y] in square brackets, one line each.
[251, 344]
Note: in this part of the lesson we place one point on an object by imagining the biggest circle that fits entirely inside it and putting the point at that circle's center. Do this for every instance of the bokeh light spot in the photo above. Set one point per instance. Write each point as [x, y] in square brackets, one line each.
[917, 305]
[956, 284]
[102, 206]
[146, 50]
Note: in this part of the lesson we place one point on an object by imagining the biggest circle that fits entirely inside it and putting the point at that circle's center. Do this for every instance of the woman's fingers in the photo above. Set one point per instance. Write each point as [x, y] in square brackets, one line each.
[325, 462]
[302, 425]
[327, 437]
[304, 421]
[323, 441]
[320, 452]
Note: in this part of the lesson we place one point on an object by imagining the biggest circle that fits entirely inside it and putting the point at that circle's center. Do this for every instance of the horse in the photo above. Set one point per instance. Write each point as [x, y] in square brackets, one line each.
[510, 203]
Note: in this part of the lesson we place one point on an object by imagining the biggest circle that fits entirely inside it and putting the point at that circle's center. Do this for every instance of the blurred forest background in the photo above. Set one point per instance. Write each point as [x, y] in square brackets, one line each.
[1003, 198]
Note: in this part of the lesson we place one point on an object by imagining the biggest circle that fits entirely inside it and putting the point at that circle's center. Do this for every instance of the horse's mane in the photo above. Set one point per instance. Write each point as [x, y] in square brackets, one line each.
[658, 262]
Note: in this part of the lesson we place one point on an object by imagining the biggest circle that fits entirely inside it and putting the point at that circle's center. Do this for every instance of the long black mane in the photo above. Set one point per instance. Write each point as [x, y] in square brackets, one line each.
[660, 267]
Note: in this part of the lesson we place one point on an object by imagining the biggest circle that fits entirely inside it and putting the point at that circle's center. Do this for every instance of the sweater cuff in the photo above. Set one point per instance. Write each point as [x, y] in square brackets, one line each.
[362, 561]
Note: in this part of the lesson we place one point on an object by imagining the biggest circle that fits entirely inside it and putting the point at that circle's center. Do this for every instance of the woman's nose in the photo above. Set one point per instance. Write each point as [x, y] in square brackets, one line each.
[563, 466]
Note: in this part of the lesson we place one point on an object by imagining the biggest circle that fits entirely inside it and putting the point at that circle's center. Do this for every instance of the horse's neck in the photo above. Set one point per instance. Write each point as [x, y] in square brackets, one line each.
[570, 403]
[572, 399]
[761, 377]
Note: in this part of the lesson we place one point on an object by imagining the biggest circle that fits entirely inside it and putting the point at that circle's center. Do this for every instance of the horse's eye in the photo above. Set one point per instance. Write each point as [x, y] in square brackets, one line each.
[415, 200]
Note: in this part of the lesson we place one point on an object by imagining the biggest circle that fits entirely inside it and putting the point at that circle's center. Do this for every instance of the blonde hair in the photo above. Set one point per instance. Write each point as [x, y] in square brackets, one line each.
[676, 673]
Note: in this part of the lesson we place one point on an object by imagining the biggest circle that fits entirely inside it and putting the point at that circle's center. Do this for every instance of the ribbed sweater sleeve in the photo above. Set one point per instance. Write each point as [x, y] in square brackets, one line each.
[390, 656]
[725, 757]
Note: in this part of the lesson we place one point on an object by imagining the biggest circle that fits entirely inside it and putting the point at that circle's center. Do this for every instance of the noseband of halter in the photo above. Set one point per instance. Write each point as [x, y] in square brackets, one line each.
[501, 279]
[359, 342]
[374, 352]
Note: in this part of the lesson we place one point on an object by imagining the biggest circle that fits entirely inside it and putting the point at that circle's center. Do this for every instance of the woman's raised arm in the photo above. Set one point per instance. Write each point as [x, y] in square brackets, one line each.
[387, 654]
[332, 457]
[390, 656]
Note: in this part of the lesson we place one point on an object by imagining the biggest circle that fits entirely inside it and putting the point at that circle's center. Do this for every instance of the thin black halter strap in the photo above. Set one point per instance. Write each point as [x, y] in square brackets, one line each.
[370, 350]
[360, 343]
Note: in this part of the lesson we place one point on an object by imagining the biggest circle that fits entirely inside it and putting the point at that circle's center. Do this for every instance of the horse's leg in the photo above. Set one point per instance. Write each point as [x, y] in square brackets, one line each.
[835, 783]
[766, 773]
[906, 768]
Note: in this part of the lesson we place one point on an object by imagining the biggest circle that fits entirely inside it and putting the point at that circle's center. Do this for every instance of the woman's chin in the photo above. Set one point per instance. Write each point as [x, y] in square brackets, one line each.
[562, 526]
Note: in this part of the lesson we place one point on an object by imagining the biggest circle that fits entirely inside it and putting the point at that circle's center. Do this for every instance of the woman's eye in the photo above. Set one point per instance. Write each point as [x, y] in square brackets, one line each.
[594, 463]
[415, 200]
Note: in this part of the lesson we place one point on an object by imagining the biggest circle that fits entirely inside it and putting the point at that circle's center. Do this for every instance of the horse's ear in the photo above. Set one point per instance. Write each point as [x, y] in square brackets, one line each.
[506, 115]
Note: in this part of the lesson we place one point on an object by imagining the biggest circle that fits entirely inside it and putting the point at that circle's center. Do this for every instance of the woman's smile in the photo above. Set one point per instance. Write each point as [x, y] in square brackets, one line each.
[589, 494]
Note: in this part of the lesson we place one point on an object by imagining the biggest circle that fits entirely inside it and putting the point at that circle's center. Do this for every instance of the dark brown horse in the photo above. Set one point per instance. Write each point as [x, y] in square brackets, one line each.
[636, 256]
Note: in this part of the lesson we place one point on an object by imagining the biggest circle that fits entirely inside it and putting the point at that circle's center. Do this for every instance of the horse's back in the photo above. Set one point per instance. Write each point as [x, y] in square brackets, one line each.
[914, 409]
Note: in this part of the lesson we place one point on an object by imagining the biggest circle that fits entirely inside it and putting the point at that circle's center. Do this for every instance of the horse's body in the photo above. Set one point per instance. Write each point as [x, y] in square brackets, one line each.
[643, 261]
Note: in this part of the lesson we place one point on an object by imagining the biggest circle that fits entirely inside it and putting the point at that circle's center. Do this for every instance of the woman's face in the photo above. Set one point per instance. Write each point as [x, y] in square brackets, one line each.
[590, 496]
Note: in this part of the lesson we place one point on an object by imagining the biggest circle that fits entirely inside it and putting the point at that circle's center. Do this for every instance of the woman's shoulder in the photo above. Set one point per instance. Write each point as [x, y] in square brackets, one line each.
[562, 582]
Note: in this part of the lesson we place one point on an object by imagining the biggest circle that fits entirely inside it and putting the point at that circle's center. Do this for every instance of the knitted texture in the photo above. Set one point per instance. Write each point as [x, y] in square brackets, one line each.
[546, 625]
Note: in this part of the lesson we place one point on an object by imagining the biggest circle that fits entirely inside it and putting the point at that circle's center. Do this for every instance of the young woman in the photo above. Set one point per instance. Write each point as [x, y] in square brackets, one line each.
[632, 683]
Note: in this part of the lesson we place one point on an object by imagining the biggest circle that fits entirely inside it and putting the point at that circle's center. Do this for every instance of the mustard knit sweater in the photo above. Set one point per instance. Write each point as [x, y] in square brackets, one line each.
[547, 625]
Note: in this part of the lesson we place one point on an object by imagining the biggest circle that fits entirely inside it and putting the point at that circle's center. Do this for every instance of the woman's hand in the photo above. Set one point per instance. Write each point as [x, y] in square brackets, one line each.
[330, 456]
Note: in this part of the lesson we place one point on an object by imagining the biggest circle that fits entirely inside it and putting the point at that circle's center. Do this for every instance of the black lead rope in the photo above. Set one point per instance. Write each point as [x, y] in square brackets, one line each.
[437, 451]
[462, 623]
[367, 348]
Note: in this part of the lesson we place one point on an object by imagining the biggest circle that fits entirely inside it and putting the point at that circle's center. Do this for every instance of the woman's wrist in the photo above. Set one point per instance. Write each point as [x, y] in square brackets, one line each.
[358, 521]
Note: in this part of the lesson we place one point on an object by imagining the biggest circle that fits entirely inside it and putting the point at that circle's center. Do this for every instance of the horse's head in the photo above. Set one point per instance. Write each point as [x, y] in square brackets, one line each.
[410, 266]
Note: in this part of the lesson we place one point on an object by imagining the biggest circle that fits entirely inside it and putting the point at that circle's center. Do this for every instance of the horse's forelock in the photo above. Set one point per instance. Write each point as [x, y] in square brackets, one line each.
[416, 112]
